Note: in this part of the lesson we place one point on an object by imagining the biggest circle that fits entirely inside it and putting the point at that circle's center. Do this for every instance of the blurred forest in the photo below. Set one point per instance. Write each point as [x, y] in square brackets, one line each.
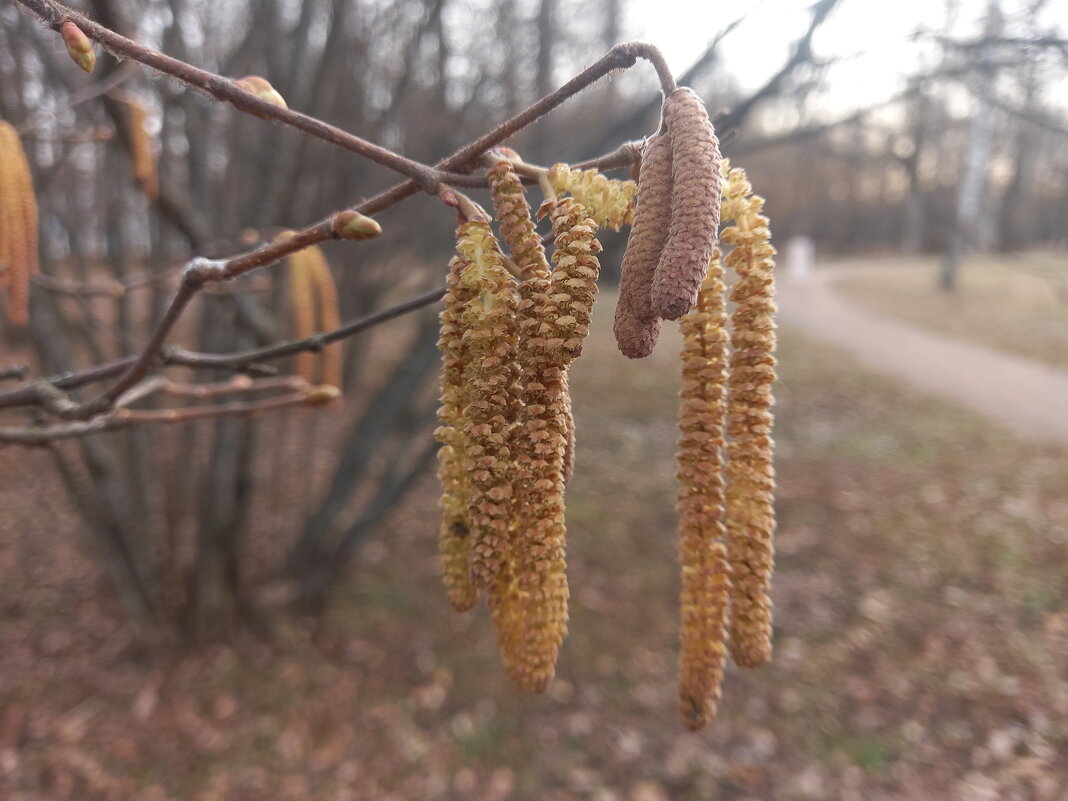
[204, 526]
[192, 523]
[251, 607]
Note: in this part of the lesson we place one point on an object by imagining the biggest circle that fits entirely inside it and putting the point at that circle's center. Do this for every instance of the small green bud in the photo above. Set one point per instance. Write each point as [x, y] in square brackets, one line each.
[78, 46]
[355, 226]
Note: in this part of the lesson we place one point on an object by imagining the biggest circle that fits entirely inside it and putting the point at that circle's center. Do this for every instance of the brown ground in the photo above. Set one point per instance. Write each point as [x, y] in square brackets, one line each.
[922, 633]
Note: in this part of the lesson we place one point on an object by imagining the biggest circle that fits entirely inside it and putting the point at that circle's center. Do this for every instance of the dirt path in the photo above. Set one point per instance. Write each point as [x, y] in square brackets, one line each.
[1025, 396]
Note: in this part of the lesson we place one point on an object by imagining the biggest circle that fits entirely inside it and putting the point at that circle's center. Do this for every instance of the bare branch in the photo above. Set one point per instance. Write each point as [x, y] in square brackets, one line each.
[221, 88]
[15, 371]
[305, 395]
[200, 272]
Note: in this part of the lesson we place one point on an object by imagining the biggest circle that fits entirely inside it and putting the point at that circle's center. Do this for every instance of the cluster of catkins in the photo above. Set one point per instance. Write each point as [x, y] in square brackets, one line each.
[506, 431]
[509, 331]
[18, 226]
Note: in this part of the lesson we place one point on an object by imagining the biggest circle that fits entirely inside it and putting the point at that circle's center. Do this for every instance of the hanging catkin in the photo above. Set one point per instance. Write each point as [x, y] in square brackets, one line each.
[637, 326]
[314, 302]
[569, 432]
[702, 552]
[525, 603]
[513, 213]
[141, 151]
[694, 205]
[18, 240]
[531, 609]
[329, 317]
[489, 337]
[530, 440]
[610, 203]
[454, 540]
[749, 472]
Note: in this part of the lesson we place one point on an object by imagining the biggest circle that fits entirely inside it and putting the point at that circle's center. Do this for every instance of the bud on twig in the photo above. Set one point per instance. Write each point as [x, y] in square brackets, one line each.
[322, 395]
[355, 227]
[262, 88]
[78, 46]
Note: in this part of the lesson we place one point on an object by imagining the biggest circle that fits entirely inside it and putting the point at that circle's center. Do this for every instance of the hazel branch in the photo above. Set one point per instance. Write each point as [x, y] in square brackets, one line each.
[224, 89]
[18, 372]
[200, 271]
[245, 361]
[304, 395]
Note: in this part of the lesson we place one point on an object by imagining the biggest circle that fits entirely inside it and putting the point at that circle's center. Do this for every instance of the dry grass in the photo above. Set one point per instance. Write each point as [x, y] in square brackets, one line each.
[1016, 303]
[922, 622]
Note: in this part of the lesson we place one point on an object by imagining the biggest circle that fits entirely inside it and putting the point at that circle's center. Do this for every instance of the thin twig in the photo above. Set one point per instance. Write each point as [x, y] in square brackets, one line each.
[314, 343]
[221, 88]
[15, 371]
[245, 361]
[122, 418]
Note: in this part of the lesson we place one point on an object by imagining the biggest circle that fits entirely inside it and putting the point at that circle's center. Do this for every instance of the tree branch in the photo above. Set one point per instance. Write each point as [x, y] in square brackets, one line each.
[307, 395]
[201, 271]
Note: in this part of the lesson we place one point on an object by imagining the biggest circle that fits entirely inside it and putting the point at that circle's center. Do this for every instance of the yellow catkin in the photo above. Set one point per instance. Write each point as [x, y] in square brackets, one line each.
[702, 552]
[513, 213]
[18, 207]
[141, 150]
[530, 605]
[609, 202]
[454, 540]
[536, 448]
[8, 229]
[531, 437]
[329, 318]
[314, 302]
[541, 549]
[489, 338]
[5, 270]
[750, 474]
[569, 432]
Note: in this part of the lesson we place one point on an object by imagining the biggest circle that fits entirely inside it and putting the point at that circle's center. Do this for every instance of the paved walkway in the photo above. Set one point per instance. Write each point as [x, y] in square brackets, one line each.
[1025, 396]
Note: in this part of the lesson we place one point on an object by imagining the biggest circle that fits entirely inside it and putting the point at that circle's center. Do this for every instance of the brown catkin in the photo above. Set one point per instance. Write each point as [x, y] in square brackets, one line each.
[18, 207]
[702, 552]
[141, 151]
[749, 473]
[637, 327]
[513, 213]
[490, 339]
[694, 205]
[454, 540]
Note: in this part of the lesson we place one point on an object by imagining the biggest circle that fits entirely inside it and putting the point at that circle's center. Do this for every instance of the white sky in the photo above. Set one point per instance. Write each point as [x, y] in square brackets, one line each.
[876, 31]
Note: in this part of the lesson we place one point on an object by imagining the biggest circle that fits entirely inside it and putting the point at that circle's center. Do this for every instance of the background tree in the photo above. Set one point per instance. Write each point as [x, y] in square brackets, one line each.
[203, 523]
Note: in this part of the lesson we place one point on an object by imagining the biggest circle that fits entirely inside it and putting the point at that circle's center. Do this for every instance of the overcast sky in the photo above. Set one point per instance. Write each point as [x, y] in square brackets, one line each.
[876, 32]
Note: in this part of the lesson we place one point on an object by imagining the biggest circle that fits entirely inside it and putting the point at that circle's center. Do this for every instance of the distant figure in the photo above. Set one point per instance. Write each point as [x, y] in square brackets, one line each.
[800, 256]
